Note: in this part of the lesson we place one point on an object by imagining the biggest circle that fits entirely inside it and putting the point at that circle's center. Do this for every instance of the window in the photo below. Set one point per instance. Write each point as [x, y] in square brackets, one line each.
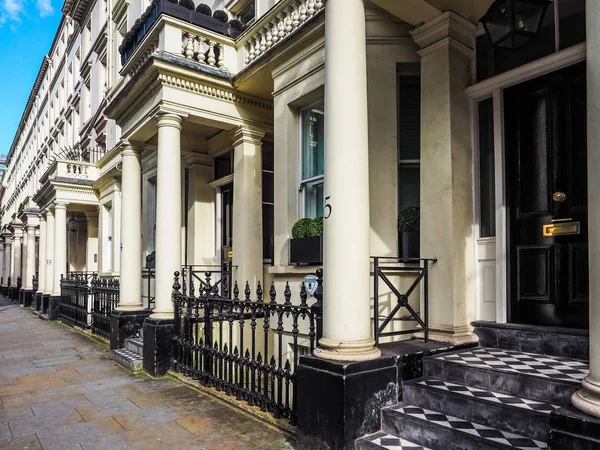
[487, 198]
[268, 201]
[224, 165]
[247, 14]
[312, 121]
[409, 138]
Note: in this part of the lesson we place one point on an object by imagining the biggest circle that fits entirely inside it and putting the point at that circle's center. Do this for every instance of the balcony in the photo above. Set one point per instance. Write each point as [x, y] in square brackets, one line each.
[71, 170]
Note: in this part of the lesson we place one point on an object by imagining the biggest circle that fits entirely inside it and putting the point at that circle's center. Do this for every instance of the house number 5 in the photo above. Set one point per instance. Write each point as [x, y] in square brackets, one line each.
[327, 208]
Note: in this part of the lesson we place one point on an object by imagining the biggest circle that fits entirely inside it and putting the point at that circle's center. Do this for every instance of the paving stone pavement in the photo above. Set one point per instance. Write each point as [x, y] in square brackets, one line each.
[59, 390]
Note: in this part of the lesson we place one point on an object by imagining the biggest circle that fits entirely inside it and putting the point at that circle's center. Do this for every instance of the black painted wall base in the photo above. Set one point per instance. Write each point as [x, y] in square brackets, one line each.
[571, 429]
[13, 293]
[37, 303]
[45, 304]
[124, 325]
[27, 296]
[54, 307]
[339, 402]
[158, 347]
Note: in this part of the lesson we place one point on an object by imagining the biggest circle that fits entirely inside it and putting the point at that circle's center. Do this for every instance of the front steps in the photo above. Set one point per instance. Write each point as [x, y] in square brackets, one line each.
[480, 398]
[132, 356]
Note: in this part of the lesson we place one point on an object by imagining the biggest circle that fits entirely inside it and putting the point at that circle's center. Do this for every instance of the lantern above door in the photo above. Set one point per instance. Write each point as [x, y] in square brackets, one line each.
[511, 24]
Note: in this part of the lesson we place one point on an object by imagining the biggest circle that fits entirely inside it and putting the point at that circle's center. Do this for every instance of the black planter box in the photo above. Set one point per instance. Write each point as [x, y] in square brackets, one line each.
[306, 250]
[410, 244]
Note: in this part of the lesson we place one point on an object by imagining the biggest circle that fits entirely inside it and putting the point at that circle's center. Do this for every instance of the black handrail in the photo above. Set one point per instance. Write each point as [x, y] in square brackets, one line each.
[384, 265]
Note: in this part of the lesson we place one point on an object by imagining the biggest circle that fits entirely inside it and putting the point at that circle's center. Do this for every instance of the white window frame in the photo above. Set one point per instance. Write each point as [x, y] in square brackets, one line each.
[303, 182]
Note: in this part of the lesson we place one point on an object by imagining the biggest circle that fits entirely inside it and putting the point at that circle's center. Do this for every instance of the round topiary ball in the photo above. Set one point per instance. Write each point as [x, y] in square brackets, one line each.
[221, 15]
[236, 25]
[204, 9]
[173, 1]
[189, 4]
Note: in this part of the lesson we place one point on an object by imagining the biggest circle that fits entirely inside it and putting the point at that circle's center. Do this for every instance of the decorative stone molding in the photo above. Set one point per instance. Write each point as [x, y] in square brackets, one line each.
[448, 25]
[247, 134]
[144, 57]
[198, 158]
[211, 91]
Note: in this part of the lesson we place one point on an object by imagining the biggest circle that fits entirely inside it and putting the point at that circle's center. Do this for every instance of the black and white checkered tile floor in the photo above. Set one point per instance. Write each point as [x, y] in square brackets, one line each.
[555, 367]
[391, 442]
[474, 429]
[496, 397]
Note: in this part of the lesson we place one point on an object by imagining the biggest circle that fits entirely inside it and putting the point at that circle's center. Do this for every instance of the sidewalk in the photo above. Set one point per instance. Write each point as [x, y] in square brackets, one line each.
[59, 390]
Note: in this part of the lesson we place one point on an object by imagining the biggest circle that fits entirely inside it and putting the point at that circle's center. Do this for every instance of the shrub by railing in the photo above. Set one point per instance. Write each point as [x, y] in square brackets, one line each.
[225, 342]
[105, 294]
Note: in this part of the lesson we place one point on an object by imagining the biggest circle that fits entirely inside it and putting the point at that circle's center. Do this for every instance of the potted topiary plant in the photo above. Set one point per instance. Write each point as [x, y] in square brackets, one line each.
[204, 9]
[408, 230]
[150, 261]
[189, 4]
[306, 245]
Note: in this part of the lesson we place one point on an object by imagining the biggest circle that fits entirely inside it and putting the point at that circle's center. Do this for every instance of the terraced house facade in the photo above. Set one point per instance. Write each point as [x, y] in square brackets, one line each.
[358, 215]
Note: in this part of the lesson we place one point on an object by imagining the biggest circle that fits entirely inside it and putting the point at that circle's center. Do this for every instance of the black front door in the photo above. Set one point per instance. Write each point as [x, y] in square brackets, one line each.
[226, 224]
[545, 123]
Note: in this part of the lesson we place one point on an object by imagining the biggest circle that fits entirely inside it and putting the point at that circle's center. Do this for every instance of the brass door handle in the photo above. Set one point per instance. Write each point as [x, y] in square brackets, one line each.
[559, 196]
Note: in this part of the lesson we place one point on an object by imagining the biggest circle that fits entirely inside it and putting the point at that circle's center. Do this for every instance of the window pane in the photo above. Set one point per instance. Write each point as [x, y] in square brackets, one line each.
[408, 186]
[268, 187]
[247, 13]
[223, 166]
[313, 199]
[268, 217]
[409, 116]
[267, 156]
[571, 25]
[487, 200]
[313, 145]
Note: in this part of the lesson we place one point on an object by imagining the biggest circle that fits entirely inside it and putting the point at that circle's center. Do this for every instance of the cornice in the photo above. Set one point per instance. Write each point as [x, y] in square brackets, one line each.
[448, 25]
[202, 159]
[247, 134]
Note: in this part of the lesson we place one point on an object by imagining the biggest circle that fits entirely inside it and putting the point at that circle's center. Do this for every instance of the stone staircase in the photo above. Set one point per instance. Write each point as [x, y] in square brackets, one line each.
[480, 398]
[132, 356]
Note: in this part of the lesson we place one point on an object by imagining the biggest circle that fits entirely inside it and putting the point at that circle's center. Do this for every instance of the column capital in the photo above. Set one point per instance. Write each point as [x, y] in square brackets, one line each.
[131, 149]
[169, 120]
[247, 134]
[60, 205]
[447, 28]
[49, 212]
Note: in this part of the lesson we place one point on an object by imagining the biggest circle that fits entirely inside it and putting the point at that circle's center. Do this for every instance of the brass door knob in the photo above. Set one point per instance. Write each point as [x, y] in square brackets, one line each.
[559, 196]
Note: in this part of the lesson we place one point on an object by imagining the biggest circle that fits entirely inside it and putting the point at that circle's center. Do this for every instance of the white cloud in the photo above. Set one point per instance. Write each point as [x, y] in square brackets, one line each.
[44, 7]
[10, 11]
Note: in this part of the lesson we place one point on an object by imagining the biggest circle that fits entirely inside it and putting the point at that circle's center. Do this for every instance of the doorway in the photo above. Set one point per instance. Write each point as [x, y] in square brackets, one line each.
[226, 226]
[546, 187]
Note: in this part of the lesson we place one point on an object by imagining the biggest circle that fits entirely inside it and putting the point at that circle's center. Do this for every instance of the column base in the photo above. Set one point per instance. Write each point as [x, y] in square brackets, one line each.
[587, 399]
[126, 324]
[54, 307]
[454, 335]
[158, 346]
[571, 429]
[364, 350]
[13, 293]
[27, 296]
[340, 402]
[169, 315]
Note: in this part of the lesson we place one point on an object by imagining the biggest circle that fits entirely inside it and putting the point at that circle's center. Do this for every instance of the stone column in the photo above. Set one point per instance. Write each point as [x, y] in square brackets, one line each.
[588, 398]
[7, 258]
[447, 216]
[30, 255]
[168, 213]
[346, 264]
[17, 256]
[42, 256]
[49, 263]
[247, 210]
[60, 246]
[91, 252]
[130, 293]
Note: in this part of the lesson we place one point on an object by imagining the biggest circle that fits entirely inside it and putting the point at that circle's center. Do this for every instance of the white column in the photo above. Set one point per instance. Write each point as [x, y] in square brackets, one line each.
[447, 216]
[42, 256]
[130, 288]
[168, 212]
[13, 278]
[247, 206]
[49, 263]
[60, 245]
[23, 254]
[91, 251]
[588, 398]
[30, 255]
[17, 255]
[346, 265]
[7, 258]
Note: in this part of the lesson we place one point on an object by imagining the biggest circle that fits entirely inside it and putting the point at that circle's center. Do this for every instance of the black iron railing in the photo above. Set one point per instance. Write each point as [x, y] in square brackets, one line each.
[74, 291]
[105, 298]
[413, 270]
[148, 292]
[220, 279]
[237, 344]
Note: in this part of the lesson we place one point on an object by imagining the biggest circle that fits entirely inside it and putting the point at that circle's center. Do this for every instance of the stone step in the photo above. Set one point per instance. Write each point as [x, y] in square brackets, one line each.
[385, 441]
[439, 431]
[550, 379]
[130, 360]
[135, 345]
[494, 409]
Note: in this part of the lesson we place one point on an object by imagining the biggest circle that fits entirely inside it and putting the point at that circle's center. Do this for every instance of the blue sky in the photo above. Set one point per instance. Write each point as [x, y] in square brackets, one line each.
[27, 29]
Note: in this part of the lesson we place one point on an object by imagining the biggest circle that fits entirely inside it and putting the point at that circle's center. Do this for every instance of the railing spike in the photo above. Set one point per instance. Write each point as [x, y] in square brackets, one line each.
[273, 293]
[247, 292]
[259, 293]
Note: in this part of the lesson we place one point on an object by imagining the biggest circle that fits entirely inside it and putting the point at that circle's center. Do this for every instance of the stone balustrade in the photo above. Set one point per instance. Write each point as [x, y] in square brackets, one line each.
[202, 49]
[282, 22]
[73, 169]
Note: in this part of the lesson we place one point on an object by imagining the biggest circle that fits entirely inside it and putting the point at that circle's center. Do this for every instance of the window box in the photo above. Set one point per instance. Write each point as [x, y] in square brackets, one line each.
[306, 250]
